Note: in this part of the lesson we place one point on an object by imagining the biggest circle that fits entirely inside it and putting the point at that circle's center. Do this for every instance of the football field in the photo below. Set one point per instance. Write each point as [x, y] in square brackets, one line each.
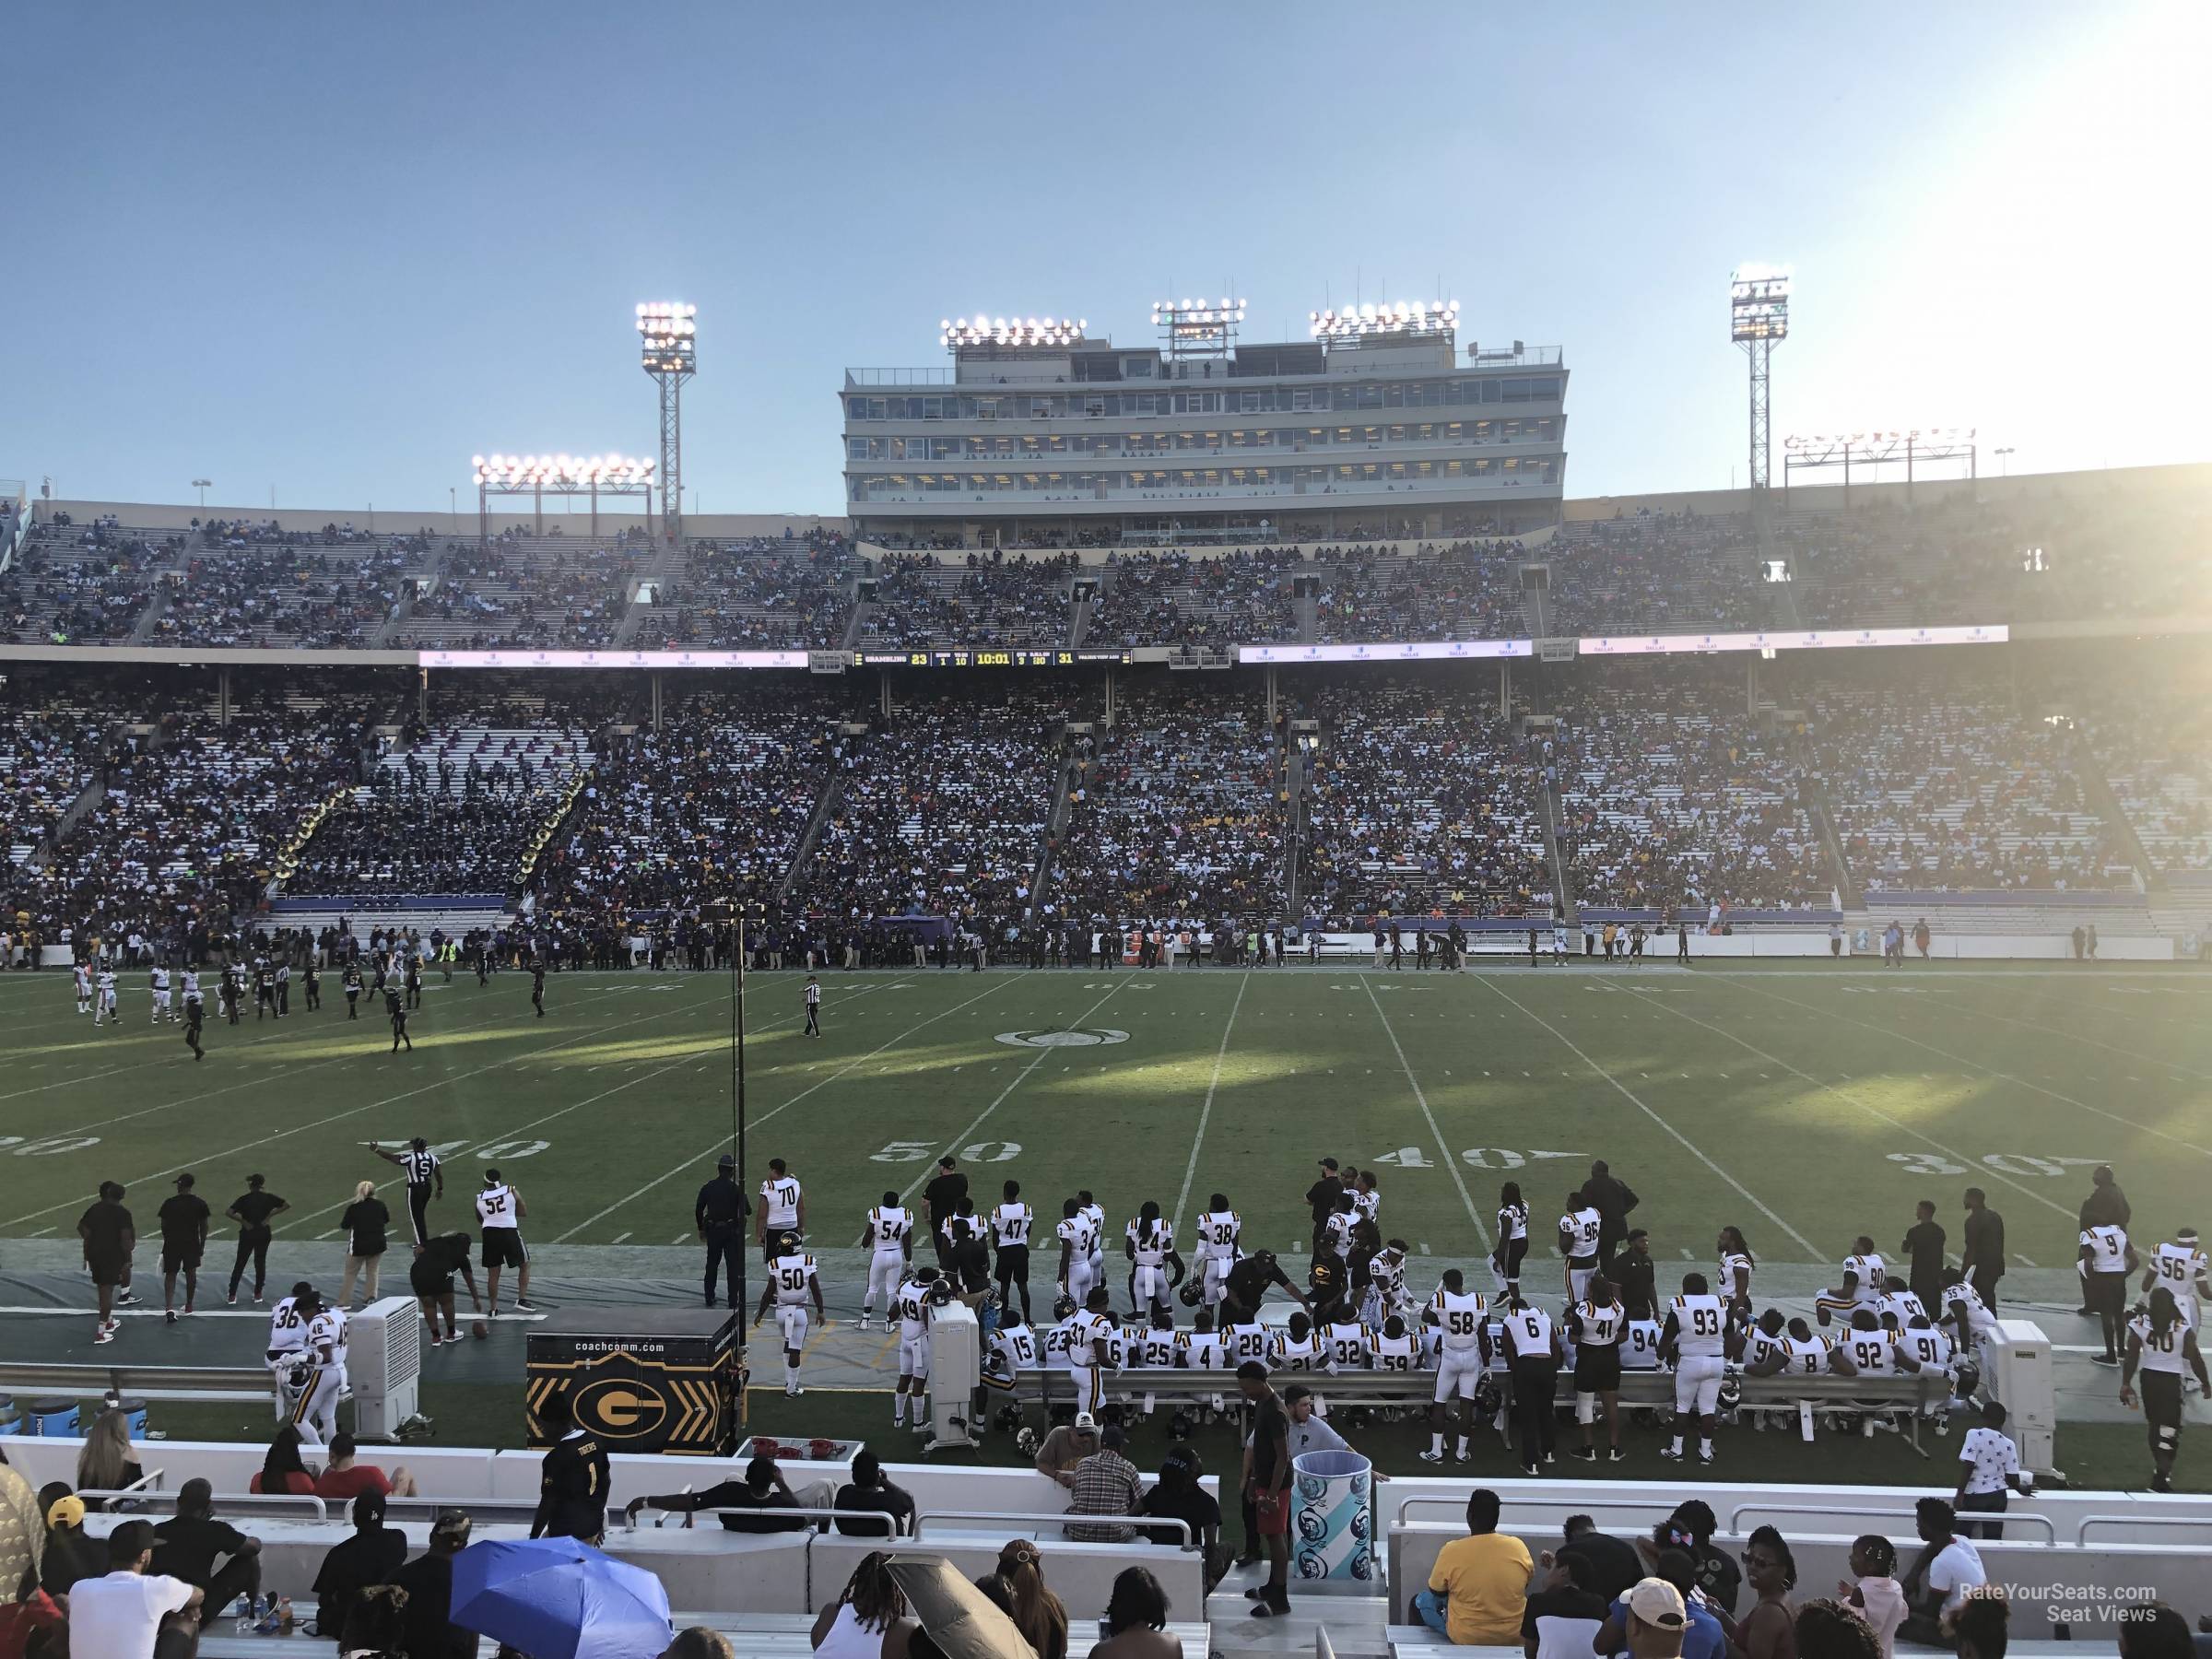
[1805, 1103]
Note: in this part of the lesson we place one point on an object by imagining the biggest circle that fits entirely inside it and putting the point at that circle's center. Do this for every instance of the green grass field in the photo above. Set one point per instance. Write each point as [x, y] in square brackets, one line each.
[1804, 1105]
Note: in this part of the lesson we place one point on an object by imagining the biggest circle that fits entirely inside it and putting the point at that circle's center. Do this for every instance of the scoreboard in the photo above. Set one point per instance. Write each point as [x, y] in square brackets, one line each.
[1005, 656]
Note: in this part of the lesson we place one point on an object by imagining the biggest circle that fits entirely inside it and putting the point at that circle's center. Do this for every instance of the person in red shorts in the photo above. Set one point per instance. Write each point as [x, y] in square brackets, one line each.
[1270, 1487]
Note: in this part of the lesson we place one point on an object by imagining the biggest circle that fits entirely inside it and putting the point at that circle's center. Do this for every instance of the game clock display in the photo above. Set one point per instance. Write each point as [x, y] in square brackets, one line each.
[1002, 656]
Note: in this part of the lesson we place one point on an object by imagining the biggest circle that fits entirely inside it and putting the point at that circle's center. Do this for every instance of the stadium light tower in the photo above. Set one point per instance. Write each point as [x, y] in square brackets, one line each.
[1758, 320]
[668, 333]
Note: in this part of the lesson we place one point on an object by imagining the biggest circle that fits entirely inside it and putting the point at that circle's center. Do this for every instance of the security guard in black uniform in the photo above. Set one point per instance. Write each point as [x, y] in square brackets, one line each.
[721, 1213]
[572, 1484]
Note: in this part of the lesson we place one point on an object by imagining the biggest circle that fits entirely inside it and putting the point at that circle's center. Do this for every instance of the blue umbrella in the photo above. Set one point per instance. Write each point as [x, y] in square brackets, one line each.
[555, 1598]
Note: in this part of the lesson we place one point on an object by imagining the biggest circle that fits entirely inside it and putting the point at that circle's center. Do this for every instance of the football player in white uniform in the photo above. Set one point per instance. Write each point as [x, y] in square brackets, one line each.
[287, 1341]
[83, 977]
[1580, 1226]
[783, 1208]
[1736, 1266]
[888, 1238]
[2159, 1346]
[1155, 1268]
[322, 1356]
[1219, 1232]
[791, 1275]
[1158, 1348]
[914, 1304]
[1863, 1277]
[2179, 1265]
[103, 998]
[1971, 1318]
[1078, 1252]
[1513, 1239]
[1300, 1347]
[1459, 1316]
[1395, 1348]
[1247, 1339]
[1202, 1347]
[1596, 1324]
[1011, 1224]
[1090, 1349]
[157, 980]
[1696, 1339]
[1014, 1349]
[2106, 1260]
[1091, 1210]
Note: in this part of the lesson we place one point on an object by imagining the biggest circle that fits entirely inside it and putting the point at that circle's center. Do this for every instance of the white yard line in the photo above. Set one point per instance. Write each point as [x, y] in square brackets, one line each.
[998, 983]
[1813, 1252]
[1898, 1036]
[1019, 1078]
[1443, 1150]
[1190, 1169]
[440, 1082]
[1851, 1100]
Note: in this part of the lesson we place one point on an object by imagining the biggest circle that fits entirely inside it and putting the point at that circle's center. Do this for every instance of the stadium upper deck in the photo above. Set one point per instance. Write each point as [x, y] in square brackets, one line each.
[2067, 554]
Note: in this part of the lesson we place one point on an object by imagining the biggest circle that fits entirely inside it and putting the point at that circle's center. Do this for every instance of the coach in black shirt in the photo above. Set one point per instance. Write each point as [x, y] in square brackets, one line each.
[1249, 1279]
[573, 1482]
[1634, 1275]
[1924, 1253]
[1326, 1197]
[941, 1198]
[1611, 1198]
[1983, 1257]
[720, 1214]
[109, 1236]
[183, 1241]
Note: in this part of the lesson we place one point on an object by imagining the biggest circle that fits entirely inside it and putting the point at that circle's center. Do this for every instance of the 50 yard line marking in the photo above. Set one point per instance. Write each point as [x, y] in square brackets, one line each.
[999, 984]
[1190, 1169]
[1812, 1250]
[1443, 1151]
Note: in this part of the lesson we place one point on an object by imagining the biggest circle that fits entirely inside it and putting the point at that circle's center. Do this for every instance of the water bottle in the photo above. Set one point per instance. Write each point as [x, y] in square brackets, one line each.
[284, 1616]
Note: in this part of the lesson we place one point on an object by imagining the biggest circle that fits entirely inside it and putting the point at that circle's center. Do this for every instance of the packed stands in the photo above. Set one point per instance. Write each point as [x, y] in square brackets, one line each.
[941, 811]
[711, 807]
[1655, 573]
[1462, 591]
[1671, 799]
[1942, 788]
[1421, 799]
[522, 590]
[79, 584]
[762, 593]
[2155, 745]
[1173, 599]
[454, 812]
[47, 759]
[1176, 814]
[989, 600]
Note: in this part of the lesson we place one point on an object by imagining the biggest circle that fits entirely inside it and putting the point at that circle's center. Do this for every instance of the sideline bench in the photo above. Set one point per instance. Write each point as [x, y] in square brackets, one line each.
[202, 1382]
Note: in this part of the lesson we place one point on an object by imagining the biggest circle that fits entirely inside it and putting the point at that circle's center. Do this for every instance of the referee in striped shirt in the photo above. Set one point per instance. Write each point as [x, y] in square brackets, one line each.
[426, 1179]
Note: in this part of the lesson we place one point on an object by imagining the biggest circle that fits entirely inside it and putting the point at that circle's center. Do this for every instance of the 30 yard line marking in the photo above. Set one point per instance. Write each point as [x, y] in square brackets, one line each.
[1986, 1070]
[410, 1094]
[1190, 1169]
[1443, 1151]
[1851, 1100]
[692, 1161]
[1630, 1095]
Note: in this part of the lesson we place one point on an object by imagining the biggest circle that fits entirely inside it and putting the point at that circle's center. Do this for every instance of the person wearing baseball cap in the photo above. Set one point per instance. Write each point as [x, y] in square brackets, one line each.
[1066, 1446]
[70, 1554]
[1700, 1636]
[720, 1214]
[1658, 1620]
[123, 1615]
[1477, 1592]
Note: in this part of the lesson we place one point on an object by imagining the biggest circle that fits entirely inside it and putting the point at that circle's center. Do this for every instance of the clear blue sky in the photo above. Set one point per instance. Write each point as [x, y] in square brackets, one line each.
[337, 249]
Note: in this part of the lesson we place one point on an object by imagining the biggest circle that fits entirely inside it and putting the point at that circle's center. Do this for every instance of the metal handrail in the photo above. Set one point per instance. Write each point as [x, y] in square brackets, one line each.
[321, 1510]
[1735, 1515]
[1062, 1518]
[1660, 1507]
[2081, 1532]
[805, 1512]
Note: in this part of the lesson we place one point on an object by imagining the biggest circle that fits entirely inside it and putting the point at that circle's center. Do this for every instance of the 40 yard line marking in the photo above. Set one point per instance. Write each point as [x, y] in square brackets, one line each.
[1443, 1151]
[1813, 1251]
[1190, 1169]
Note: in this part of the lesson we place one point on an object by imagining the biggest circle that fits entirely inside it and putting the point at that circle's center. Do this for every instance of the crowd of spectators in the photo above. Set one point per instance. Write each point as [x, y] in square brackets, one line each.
[989, 599]
[520, 592]
[1176, 813]
[1462, 590]
[1419, 798]
[940, 811]
[47, 759]
[2155, 745]
[1651, 572]
[79, 584]
[756, 594]
[457, 811]
[1669, 801]
[1936, 788]
[709, 808]
[1175, 599]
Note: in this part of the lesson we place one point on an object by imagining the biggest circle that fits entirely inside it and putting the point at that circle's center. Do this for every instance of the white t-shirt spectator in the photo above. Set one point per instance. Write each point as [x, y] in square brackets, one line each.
[119, 1615]
[1952, 1573]
[1990, 1458]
